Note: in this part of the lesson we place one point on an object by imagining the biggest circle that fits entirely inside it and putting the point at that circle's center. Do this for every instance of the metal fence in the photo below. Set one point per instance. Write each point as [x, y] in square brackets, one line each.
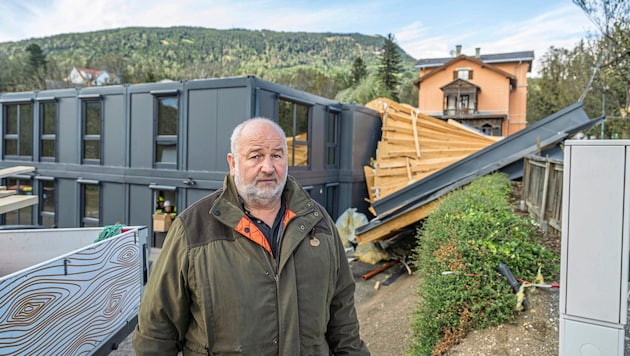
[542, 191]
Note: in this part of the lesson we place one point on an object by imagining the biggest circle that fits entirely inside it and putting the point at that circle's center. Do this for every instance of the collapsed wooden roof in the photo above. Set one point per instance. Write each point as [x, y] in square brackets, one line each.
[398, 212]
[415, 145]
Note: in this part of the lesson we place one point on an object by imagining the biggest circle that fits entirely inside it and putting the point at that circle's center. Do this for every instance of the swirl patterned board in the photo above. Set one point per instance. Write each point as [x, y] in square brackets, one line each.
[73, 304]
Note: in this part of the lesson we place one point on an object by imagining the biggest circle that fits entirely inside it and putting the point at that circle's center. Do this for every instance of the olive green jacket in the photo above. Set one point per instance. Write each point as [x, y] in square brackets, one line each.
[215, 289]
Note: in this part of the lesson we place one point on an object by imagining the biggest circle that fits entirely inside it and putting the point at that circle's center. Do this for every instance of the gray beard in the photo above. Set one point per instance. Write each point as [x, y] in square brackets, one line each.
[259, 197]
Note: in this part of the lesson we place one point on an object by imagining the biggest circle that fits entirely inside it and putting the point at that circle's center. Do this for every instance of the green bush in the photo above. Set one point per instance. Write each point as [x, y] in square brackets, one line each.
[460, 247]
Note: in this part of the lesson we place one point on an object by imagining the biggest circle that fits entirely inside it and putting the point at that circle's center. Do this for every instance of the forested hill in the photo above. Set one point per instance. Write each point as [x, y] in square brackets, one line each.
[142, 54]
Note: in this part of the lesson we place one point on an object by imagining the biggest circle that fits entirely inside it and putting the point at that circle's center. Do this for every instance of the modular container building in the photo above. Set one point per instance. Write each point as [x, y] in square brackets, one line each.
[106, 155]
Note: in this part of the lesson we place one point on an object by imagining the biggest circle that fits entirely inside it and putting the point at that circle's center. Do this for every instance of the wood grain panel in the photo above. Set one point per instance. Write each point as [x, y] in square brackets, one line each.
[73, 304]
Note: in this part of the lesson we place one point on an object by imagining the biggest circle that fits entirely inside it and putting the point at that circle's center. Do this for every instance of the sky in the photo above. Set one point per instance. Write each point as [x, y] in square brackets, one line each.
[423, 28]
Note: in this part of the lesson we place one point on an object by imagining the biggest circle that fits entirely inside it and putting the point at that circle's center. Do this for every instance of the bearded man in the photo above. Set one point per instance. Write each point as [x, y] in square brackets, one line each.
[255, 268]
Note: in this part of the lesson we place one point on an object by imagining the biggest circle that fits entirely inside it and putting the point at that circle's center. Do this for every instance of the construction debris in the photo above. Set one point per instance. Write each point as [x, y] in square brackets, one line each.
[414, 145]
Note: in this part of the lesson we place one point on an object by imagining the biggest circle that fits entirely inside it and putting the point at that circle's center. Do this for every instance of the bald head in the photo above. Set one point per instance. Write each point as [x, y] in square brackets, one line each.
[253, 126]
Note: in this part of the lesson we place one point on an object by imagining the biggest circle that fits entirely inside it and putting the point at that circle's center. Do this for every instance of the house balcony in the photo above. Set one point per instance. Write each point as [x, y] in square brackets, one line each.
[464, 112]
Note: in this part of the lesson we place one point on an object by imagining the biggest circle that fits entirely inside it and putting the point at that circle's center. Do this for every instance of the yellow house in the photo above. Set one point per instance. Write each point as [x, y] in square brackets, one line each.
[488, 92]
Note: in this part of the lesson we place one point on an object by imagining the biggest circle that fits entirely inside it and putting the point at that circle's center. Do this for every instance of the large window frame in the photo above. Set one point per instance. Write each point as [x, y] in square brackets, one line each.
[92, 130]
[90, 203]
[48, 128]
[333, 123]
[47, 202]
[17, 130]
[166, 129]
[294, 118]
[22, 216]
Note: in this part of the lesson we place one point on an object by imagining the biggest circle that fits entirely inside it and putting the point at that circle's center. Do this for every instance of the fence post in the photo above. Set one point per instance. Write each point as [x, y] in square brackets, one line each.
[526, 183]
[543, 204]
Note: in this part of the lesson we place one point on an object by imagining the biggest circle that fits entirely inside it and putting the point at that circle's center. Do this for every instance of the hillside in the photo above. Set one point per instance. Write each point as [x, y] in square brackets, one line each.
[142, 54]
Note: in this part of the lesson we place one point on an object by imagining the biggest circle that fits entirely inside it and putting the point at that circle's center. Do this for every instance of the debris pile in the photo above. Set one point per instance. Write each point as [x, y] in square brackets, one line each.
[414, 145]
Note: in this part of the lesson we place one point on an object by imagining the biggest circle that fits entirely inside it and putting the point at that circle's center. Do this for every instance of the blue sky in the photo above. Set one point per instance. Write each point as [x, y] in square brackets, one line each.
[423, 28]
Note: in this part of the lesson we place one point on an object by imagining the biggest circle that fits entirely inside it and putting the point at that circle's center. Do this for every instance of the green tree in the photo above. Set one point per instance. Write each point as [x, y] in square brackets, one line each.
[390, 66]
[612, 18]
[368, 89]
[36, 70]
[37, 57]
[359, 70]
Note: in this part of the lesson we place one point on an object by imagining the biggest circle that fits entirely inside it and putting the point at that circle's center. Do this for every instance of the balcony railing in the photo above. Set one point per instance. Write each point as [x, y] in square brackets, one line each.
[459, 112]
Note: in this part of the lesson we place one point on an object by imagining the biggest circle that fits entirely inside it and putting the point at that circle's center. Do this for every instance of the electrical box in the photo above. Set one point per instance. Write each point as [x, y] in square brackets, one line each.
[595, 242]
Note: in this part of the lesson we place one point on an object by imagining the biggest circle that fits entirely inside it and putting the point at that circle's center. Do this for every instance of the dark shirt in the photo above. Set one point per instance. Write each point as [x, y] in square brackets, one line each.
[273, 234]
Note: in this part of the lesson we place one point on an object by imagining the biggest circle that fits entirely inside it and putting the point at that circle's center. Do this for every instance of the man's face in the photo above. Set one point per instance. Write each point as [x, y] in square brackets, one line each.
[260, 165]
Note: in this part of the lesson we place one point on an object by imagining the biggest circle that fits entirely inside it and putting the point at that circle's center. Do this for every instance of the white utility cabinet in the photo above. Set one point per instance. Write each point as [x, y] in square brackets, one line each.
[595, 242]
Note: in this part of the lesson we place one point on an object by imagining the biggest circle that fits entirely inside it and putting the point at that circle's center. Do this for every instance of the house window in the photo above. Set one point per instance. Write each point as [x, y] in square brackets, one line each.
[293, 118]
[92, 122]
[48, 135]
[463, 73]
[23, 216]
[18, 131]
[490, 130]
[332, 139]
[90, 204]
[166, 132]
[47, 203]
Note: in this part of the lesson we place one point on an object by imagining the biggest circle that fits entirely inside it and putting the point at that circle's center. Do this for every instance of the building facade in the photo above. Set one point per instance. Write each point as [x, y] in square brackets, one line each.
[488, 92]
[106, 155]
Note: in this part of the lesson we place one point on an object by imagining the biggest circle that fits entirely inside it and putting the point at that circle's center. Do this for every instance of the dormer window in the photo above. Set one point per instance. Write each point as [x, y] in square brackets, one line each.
[463, 73]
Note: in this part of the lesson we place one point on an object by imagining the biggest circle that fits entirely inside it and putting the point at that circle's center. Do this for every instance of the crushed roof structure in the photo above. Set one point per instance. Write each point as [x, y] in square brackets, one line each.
[407, 206]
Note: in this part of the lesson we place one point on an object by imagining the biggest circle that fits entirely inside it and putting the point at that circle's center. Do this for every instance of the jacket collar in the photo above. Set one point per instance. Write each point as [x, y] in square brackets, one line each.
[227, 207]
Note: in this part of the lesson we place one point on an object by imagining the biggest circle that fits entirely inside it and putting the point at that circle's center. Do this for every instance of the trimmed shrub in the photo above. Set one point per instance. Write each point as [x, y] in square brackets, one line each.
[460, 247]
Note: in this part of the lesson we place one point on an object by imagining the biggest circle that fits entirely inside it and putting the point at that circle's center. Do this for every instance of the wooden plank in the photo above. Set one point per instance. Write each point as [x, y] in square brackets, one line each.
[15, 202]
[369, 181]
[393, 226]
[11, 171]
[6, 193]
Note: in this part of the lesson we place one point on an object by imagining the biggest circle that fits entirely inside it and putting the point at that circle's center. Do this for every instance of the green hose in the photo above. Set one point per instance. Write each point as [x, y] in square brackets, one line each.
[109, 231]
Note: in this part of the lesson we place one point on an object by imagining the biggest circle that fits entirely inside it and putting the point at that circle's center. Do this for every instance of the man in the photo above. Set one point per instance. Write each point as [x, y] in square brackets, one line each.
[256, 268]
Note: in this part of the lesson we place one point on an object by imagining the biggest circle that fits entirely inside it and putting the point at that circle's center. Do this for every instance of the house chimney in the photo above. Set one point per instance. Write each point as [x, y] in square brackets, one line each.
[478, 52]
[458, 50]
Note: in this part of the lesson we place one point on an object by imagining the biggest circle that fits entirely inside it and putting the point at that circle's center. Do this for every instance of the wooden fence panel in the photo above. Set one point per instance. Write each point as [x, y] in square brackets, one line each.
[542, 191]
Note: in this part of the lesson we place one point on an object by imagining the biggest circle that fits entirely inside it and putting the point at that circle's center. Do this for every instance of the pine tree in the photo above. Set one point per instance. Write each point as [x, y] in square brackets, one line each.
[37, 58]
[359, 70]
[390, 66]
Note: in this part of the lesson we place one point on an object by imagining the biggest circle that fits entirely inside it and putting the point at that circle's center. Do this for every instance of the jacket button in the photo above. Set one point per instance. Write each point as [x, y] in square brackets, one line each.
[246, 229]
[217, 212]
[316, 213]
[302, 227]
[275, 340]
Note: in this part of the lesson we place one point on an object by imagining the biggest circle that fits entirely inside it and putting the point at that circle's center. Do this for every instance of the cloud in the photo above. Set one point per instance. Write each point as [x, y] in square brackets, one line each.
[561, 26]
[414, 40]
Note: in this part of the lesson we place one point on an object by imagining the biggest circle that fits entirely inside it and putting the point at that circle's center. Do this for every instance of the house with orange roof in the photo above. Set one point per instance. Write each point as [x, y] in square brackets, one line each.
[91, 77]
[488, 92]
